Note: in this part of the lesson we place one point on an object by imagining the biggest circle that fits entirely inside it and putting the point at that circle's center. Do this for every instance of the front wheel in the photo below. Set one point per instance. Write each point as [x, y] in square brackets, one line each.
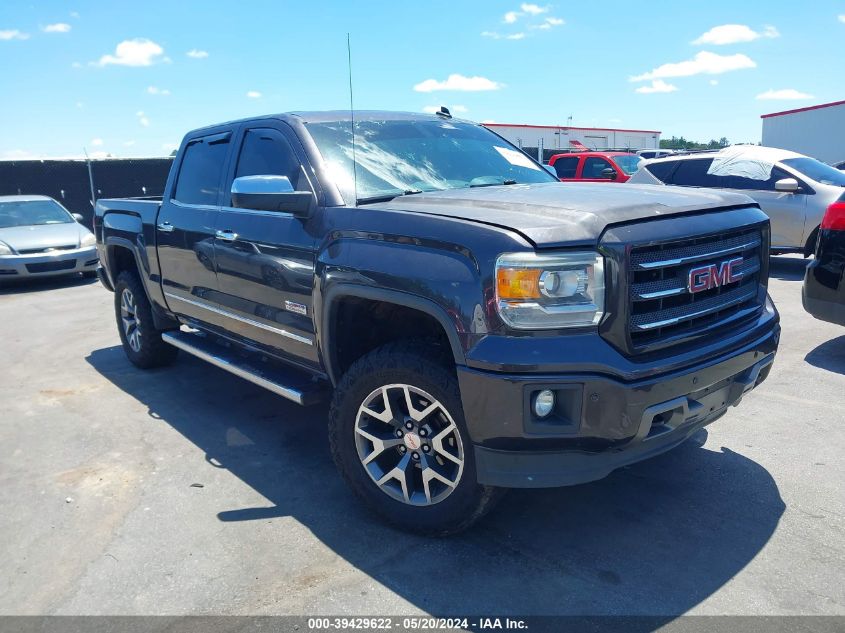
[141, 340]
[399, 439]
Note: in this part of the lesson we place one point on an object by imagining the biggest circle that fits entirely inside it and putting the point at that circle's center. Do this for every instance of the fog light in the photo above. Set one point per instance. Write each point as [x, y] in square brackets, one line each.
[544, 402]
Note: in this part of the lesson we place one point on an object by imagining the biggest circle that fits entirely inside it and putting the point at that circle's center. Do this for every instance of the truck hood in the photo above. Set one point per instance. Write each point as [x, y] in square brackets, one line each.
[553, 214]
[40, 236]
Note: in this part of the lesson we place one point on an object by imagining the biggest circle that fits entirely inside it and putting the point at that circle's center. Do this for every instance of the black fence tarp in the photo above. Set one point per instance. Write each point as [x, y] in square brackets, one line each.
[67, 180]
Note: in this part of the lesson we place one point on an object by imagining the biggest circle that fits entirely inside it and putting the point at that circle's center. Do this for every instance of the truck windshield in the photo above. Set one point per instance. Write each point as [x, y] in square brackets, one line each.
[394, 157]
[817, 171]
[32, 213]
[629, 164]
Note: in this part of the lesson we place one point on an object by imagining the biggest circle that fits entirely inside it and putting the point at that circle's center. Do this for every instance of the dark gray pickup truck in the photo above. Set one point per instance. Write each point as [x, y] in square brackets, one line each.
[477, 324]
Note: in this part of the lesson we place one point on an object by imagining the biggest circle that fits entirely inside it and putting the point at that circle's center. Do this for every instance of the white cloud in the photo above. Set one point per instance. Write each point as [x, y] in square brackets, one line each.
[129, 143]
[76, 65]
[169, 147]
[59, 27]
[657, 85]
[533, 9]
[458, 109]
[13, 34]
[458, 83]
[786, 94]
[74, 14]
[616, 121]
[80, 105]
[137, 52]
[96, 142]
[197, 54]
[734, 34]
[142, 118]
[841, 18]
[515, 36]
[253, 94]
[155, 90]
[714, 82]
[510, 17]
[703, 63]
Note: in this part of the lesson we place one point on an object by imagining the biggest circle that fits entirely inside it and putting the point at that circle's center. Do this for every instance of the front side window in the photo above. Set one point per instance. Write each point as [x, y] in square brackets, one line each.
[593, 167]
[266, 152]
[393, 157]
[200, 173]
[32, 213]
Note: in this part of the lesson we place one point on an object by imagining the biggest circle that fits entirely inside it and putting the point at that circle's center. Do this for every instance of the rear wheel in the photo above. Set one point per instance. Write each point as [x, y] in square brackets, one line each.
[141, 340]
[398, 437]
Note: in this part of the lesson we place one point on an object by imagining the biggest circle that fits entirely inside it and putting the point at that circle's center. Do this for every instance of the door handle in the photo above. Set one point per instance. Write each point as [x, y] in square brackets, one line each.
[165, 227]
[226, 236]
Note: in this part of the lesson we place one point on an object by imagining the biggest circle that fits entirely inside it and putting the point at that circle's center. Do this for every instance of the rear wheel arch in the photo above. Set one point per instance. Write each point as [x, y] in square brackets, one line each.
[423, 318]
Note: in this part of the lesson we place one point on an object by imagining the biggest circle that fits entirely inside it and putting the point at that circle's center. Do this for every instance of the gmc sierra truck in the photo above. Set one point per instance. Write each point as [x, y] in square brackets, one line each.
[477, 324]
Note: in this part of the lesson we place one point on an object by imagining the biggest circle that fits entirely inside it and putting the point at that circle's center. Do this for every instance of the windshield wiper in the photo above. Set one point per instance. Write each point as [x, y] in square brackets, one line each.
[387, 197]
[495, 184]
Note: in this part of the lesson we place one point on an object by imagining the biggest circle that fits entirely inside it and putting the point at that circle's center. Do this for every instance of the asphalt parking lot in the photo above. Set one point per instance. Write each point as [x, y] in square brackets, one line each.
[189, 491]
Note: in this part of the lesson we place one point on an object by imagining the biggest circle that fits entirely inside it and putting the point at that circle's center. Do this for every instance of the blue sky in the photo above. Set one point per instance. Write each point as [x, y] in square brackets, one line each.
[129, 78]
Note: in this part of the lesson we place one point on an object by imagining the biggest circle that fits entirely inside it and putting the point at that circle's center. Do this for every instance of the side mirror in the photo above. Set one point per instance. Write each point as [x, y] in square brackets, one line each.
[609, 173]
[787, 185]
[78, 217]
[270, 193]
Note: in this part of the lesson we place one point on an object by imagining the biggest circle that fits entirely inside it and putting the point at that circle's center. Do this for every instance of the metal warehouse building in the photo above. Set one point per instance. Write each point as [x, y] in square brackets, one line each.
[557, 137]
[817, 131]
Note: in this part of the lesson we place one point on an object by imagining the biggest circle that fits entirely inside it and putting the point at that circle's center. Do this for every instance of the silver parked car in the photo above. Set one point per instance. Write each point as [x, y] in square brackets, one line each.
[39, 238]
[792, 189]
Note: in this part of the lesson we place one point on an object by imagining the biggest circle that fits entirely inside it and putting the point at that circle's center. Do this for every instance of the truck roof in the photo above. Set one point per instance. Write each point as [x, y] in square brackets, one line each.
[322, 116]
[27, 198]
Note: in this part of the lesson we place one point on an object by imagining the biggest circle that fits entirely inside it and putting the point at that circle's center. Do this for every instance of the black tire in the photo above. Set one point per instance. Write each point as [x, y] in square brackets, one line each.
[147, 350]
[409, 363]
[810, 246]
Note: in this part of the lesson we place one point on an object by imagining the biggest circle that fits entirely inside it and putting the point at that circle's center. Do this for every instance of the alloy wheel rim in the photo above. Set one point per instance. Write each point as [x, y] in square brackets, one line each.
[409, 444]
[129, 319]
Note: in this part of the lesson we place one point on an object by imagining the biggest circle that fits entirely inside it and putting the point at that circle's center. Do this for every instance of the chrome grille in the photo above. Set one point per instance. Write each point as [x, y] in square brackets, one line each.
[49, 249]
[661, 308]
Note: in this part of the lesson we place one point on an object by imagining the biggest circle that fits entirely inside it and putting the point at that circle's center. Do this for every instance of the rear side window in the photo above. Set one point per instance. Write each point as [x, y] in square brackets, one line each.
[693, 173]
[201, 170]
[565, 167]
[661, 171]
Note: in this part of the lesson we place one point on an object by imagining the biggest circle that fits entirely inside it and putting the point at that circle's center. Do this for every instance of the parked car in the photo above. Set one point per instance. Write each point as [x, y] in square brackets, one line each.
[792, 189]
[595, 166]
[40, 238]
[476, 325]
[648, 154]
[823, 293]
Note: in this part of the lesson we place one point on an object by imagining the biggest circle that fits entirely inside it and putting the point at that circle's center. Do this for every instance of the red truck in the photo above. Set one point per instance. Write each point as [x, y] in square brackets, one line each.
[595, 166]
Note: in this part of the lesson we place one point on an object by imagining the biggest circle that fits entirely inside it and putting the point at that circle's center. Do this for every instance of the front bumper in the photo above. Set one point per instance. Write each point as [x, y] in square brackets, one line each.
[65, 262]
[600, 423]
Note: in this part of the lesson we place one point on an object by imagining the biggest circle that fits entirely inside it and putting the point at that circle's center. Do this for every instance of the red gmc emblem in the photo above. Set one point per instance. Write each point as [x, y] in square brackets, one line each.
[714, 275]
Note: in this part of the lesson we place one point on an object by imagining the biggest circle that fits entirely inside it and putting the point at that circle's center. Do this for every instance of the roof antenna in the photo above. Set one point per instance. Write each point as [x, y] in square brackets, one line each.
[444, 112]
[352, 118]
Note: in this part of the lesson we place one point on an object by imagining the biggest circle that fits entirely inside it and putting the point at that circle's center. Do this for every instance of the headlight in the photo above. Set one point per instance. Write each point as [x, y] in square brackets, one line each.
[535, 291]
[88, 240]
[5, 249]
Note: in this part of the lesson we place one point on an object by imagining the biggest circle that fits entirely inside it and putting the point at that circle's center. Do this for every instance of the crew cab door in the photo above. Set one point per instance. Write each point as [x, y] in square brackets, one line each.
[185, 227]
[265, 259]
[592, 167]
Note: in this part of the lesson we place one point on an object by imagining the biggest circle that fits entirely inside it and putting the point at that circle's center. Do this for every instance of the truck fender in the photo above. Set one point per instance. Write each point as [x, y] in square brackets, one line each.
[336, 292]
